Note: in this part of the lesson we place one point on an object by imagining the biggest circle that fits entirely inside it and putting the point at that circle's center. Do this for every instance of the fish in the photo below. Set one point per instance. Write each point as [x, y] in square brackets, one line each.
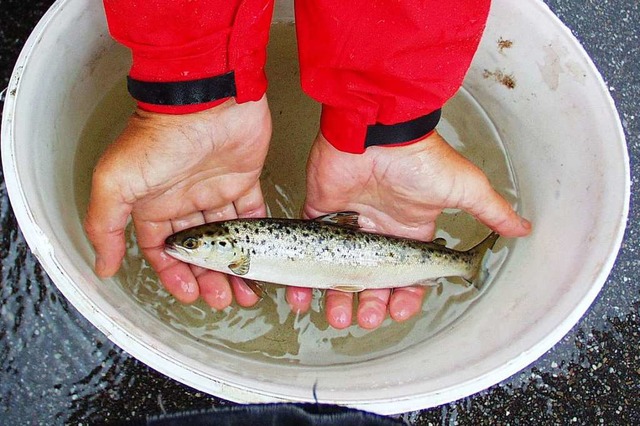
[329, 252]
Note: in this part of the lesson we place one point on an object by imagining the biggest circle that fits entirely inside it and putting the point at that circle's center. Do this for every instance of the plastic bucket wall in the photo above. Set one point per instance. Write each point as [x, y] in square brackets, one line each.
[562, 133]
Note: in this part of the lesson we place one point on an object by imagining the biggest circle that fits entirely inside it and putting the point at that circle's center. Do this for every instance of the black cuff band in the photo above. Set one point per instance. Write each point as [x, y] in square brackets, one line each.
[183, 92]
[390, 134]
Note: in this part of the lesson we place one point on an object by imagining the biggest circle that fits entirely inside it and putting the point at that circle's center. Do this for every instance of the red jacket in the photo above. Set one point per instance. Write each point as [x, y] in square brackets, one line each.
[367, 61]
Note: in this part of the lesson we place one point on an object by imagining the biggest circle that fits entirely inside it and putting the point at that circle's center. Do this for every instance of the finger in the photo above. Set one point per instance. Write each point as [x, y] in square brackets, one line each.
[423, 228]
[227, 212]
[372, 307]
[493, 210]
[106, 219]
[338, 304]
[309, 212]
[215, 289]
[427, 232]
[177, 277]
[151, 236]
[242, 292]
[252, 203]
[179, 281]
[185, 222]
[339, 308]
[406, 302]
[299, 299]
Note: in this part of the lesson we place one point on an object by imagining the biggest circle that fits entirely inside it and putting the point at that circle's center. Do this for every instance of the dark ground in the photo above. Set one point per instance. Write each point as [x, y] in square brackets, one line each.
[57, 368]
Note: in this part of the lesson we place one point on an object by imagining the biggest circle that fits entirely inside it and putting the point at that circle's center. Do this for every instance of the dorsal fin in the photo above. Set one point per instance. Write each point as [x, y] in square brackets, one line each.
[346, 219]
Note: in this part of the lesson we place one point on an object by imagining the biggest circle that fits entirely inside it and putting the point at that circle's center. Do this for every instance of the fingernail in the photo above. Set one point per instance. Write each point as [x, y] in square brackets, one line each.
[525, 223]
[220, 294]
[301, 297]
[189, 288]
[341, 318]
[401, 315]
[370, 318]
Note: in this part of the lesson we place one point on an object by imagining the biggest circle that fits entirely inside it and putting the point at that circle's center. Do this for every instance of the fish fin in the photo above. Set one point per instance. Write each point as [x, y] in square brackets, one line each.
[426, 283]
[458, 280]
[477, 276]
[255, 286]
[241, 265]
[346, 219]
[348, 288]
[440, 241]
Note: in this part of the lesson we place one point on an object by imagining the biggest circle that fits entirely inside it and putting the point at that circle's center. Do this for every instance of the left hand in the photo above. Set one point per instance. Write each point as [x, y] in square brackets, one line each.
[399, 191]
[171, 172]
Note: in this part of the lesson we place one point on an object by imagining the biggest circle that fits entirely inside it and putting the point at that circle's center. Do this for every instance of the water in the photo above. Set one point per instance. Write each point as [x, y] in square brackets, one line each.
[269, 331]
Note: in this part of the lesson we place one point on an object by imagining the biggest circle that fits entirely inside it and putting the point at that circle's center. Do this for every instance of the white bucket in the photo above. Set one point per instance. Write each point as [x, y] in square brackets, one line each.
[565, 142]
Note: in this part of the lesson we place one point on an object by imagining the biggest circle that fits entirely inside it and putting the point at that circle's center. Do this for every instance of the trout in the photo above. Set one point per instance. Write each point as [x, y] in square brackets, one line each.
[329, 252]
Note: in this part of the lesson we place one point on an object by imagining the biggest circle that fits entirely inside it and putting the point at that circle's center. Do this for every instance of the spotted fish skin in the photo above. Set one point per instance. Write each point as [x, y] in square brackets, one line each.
[328, 252]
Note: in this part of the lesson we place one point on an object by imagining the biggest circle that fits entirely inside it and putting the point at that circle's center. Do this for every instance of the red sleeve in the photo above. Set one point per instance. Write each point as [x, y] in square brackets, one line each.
[383, 62]
[181, 40]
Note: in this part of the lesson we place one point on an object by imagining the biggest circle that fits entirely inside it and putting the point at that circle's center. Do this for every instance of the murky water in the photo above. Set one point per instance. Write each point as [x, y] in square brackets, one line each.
[269, 329]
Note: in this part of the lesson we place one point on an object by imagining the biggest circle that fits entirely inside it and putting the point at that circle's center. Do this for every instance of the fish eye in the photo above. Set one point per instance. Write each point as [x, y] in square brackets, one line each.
[190, 243]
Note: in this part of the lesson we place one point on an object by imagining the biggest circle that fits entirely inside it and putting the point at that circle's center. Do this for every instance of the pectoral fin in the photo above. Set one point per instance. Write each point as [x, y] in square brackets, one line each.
[241, 265]
[346, 219]
[427, 283]
[349, 288]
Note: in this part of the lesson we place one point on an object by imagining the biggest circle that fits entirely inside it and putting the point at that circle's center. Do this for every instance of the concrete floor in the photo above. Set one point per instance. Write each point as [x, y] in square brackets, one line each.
[57, 368]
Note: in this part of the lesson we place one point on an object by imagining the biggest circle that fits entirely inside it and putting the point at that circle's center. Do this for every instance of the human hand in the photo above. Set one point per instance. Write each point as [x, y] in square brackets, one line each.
[399, 191]
[171, 172]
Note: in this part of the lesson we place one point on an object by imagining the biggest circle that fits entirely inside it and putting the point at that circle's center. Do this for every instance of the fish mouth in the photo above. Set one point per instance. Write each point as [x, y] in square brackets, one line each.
[173, 251]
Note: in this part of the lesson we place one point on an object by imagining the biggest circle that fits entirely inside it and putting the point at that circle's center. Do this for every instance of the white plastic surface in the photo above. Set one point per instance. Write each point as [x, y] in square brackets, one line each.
[562, 133]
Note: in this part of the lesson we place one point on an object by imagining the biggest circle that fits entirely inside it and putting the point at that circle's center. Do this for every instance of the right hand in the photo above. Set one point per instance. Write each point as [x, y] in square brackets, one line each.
[397, 191]
[171, 172]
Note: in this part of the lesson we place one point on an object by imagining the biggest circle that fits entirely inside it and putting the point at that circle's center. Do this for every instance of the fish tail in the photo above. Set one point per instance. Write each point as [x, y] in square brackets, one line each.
[478, 254]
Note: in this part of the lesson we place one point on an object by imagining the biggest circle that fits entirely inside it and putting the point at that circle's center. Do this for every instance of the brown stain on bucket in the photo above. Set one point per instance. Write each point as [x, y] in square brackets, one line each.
[507, 80]
[504, 44]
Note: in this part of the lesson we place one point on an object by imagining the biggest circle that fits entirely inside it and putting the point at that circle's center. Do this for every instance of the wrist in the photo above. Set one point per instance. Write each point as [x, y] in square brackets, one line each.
[190, 96]
[184, 116]
[182, 97]
[351, 131]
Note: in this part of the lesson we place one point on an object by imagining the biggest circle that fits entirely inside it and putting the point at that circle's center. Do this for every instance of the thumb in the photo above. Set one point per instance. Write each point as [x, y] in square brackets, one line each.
[490, 208]
[104, 224]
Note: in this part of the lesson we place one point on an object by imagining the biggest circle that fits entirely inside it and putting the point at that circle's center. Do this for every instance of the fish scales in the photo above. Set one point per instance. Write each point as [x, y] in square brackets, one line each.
[305, 240]
[319, 253]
